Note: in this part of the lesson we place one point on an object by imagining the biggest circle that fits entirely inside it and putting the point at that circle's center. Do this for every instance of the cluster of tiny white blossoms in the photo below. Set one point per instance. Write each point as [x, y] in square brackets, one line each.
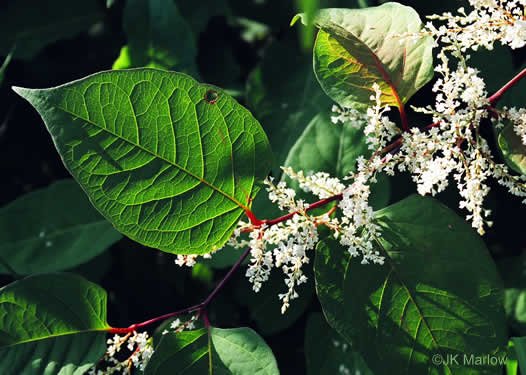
[379, 129]
[190, 260]
[286, 244]
[138, 344]
[489, 21]
[348, 116]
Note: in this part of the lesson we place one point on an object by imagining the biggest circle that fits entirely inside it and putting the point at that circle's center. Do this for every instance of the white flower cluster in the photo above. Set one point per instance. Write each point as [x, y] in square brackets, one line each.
[348, 116]
[379, 129]
[490, 20]
[292, 239]
[139, 344]
[190, 260]
[286, 244]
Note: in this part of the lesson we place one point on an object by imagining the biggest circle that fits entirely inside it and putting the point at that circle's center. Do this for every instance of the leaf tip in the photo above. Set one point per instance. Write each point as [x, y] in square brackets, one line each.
[20, 91]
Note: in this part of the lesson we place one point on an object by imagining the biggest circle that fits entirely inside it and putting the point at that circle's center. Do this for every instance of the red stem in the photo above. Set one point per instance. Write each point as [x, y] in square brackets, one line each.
[321, 203]
[495, 97]
[201, 307]
[403, 117]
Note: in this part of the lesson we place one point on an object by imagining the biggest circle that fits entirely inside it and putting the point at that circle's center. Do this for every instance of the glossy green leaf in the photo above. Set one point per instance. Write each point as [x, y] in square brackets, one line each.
[333, 148]
[158, 37]
[437, 294]
[512, 148]
[52, 229]
[234, 352]
[284, 96]
[172, 163]
[326, 352]
[356, 48]
[32, 24]
[51, 324]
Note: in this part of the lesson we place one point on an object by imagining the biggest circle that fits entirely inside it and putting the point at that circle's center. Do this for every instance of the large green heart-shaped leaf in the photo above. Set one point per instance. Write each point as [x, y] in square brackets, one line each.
[51, 230]
[226, 352]
[170, 162]
[51, 324]
[32, 24]
[158, 37]
[356, 48]
[437, 295]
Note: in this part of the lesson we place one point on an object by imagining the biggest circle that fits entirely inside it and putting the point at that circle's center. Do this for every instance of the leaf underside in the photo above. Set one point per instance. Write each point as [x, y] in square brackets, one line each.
[356, 48]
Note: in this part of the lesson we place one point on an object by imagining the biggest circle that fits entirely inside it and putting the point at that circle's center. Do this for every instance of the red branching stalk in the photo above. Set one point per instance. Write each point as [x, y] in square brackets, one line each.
[323, 202]
[495, 97]
[201, 307]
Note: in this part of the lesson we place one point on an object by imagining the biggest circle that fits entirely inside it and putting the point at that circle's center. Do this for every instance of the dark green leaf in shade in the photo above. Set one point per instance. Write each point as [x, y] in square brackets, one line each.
[333, 148]
[326, 352]
[33, 24]
[284, 96]
[437, 294]
[512, 148]
[51, 324]
[234, 352]
[169, 168]
[158, 37]
[52, 229]
[358, 47]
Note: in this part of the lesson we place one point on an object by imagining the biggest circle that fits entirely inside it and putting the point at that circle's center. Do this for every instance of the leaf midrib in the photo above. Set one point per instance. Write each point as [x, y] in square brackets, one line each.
[159, 157]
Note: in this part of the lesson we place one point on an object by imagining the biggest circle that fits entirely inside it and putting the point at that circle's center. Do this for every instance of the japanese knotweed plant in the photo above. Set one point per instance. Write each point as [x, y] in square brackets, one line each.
[175, 165]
